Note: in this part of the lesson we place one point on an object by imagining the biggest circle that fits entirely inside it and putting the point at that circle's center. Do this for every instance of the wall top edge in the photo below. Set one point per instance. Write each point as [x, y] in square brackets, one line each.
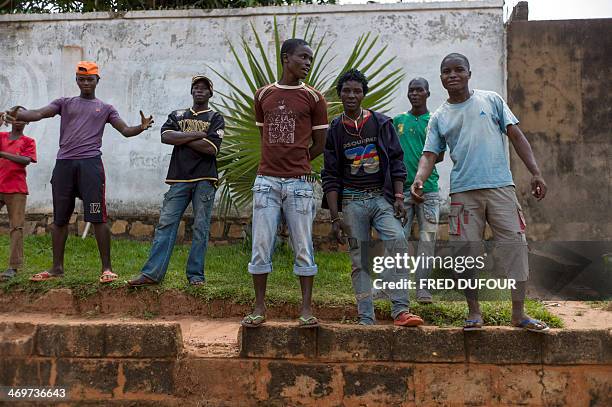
[256, 11]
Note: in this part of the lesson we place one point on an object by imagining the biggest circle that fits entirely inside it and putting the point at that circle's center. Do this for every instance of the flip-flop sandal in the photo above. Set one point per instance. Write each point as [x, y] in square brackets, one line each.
[108, 277]
[533, 325]
[253, 321]
[7, 275]
[408, 319]
[472, 324]
[45, 275]
[310, 322]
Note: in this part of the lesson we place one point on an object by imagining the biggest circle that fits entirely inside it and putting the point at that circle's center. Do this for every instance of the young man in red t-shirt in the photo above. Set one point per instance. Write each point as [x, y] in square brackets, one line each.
[17, 151]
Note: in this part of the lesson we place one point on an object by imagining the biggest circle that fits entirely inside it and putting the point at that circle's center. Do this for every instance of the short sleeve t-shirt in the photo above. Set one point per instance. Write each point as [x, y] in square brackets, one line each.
[411, 131]
[82, 126]
[475, 132]
[187, 164]
[361, 166]
[13, 175]
[288, 116]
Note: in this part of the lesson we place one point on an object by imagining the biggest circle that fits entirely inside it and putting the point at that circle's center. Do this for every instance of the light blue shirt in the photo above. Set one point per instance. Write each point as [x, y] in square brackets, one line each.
[475, 132]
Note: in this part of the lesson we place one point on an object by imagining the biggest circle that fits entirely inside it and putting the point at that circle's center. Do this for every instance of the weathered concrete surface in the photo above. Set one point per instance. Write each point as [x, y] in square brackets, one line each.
[272, 369]
[428, 344]
[147, 58]
[558, 86]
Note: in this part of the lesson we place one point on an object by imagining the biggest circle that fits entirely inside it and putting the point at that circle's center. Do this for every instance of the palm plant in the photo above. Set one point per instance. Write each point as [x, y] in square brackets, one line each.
[241, 154]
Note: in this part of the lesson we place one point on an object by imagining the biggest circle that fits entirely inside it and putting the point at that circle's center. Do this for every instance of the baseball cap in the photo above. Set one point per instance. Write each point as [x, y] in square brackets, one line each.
[87, 68]
[202, 78]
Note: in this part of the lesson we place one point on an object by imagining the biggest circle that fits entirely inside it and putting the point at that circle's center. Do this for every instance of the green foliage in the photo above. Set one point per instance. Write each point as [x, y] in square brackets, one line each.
[241, 152]
[228, 280]
[83, 6]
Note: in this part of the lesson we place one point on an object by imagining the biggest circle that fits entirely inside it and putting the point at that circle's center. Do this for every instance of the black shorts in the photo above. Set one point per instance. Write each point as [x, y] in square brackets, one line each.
[80, 178]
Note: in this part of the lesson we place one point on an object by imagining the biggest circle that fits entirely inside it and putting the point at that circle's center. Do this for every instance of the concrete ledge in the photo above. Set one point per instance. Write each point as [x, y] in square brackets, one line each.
[17, 339]
[495, 345]
[278, 342]
[91, 340]
[572, 347]
[256, 382]
[334, 365]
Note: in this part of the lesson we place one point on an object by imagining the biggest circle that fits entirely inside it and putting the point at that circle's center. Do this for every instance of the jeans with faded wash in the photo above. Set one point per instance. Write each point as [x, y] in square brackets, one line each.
[201, 194]
[360, 215]
[292, 198]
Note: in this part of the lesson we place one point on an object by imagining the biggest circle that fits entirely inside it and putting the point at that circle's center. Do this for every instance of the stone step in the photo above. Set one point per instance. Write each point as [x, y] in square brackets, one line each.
[427, 344]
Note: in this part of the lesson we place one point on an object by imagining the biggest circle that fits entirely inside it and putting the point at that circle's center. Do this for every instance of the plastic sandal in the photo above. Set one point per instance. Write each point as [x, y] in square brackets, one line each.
[253, 321]
[310, 322]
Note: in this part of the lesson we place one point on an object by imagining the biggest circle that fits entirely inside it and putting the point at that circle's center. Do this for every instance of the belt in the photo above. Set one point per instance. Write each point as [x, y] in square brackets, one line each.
[375, 193]
[305, 178]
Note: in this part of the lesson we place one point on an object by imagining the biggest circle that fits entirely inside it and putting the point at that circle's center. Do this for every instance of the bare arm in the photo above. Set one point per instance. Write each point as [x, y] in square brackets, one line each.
[318, 143]
[524, 151]
[340, 229]
[131, 131]
[426, 165]
[22, 115]
[16, 158]
[203, 146]
[177, 138]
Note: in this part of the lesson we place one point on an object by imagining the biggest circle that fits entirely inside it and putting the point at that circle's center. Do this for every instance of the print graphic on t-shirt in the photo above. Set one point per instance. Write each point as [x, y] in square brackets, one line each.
[281, 124]
[193, 125]
[363, 156]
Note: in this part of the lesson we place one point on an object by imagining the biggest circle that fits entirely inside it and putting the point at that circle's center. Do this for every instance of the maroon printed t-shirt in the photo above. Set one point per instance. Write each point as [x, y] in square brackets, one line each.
[13, 175]
[288, 116]
[82, 126]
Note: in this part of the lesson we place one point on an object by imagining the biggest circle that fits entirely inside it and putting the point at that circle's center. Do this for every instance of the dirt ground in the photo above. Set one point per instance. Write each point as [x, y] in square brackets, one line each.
[582, 315]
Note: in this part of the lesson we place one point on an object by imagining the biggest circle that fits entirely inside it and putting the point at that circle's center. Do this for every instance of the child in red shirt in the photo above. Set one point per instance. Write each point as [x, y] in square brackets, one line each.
[16, 152]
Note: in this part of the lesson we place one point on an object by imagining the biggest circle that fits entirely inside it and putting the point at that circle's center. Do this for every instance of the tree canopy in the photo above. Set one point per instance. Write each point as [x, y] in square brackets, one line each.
[83, 6]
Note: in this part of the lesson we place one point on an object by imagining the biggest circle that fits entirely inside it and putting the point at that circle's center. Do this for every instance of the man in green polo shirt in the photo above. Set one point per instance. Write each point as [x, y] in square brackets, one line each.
[411, 128]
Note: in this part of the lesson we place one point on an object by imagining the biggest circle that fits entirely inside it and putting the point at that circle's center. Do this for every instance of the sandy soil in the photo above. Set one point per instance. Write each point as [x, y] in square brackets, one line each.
[581, 315]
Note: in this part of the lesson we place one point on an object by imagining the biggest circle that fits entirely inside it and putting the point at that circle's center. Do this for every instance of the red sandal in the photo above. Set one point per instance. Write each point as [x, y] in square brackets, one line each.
[408, 319]
[45, 275]
[108, 277]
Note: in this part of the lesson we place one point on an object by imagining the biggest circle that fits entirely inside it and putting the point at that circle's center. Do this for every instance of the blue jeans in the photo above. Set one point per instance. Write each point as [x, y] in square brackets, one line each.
[358, 216]
[294, 198]
[427, 215]
[202, 196]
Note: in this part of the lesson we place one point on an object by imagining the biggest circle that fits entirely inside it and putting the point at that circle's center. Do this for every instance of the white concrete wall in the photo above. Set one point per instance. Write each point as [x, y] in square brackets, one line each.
[147, 58]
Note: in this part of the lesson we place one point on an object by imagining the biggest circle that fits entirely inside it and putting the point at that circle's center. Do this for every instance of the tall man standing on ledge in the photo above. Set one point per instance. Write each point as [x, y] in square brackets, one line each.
[476, 126]
[292, 118]
[79, 171]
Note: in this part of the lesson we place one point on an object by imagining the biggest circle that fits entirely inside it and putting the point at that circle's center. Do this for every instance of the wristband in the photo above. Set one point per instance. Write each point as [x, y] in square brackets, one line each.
[399, 196]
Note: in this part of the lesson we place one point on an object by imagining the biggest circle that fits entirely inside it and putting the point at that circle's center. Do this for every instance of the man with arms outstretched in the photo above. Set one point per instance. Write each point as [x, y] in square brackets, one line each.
[79, 171]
